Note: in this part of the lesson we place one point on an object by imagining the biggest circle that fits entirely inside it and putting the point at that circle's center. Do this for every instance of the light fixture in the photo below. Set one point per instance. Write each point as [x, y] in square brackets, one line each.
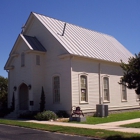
[15, 88]
[29, 87]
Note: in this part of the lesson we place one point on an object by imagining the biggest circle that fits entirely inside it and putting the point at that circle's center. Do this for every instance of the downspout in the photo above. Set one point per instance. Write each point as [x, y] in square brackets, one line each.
[71, 81]
[8, 87]
[99, 73]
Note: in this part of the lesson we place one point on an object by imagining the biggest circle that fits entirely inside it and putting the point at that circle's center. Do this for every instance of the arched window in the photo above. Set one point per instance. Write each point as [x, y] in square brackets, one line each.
[106, 88]
[22, 60]
[56, 89]
[83, 88]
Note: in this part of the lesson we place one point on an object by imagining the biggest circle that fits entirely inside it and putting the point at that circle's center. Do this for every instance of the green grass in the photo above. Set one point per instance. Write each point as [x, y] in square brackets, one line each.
[132, 125]
[113, 117]
[96, 133]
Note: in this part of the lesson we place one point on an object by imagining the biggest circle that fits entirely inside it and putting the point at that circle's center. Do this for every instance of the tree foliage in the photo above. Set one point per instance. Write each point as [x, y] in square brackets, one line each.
[3, 92]
[131, 76]
[13, 102]
[42, 101]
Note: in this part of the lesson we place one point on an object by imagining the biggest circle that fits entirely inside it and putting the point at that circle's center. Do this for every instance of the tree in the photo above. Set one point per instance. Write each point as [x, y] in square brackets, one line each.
[131, 76]
[13, 103]
[42, 101]
[3, 92]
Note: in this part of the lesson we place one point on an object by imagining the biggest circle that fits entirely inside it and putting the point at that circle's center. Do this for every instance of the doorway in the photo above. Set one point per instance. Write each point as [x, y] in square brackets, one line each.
[23, 97]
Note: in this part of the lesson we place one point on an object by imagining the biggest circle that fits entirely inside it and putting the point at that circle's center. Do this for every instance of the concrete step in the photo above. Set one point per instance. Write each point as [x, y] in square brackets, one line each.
[12, 115]
[15, 114]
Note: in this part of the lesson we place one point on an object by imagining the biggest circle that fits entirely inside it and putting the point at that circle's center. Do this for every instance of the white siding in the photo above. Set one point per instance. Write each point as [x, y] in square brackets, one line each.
[91, 68]
[115, 73]
[52, 66]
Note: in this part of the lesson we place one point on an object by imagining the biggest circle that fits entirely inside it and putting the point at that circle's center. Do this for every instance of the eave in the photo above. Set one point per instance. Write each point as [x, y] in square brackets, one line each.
[72, 56]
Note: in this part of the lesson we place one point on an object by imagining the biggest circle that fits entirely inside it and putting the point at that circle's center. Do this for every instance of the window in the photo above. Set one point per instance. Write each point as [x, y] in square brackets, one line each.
[22, 60]
[56, 89]
[83, 89]
[106, 88]
[124, 93]
[37, 60]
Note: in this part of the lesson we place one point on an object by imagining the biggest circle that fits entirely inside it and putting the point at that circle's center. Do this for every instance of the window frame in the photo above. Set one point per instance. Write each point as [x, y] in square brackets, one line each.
[38, 60]
[56, 101]
[80, 89]
[122, 99]
[108, 88]
[22, 59]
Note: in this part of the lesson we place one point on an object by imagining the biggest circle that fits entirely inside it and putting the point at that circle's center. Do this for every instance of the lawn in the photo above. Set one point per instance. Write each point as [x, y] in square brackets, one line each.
[113, 117]
[96, 133]
[132, 125]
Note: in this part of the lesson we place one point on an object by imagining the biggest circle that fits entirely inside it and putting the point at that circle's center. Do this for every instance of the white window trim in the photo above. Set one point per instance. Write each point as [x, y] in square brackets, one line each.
[123, 100]
[53, 88]
[105, 101]
[87, 94]
[37, 60]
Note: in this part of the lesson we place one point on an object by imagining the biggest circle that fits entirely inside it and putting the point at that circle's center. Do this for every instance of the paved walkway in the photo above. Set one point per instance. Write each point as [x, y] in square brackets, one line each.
[114, 126]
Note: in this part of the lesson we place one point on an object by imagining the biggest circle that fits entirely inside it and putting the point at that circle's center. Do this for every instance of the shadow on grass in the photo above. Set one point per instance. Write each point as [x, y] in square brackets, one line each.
[118, 137]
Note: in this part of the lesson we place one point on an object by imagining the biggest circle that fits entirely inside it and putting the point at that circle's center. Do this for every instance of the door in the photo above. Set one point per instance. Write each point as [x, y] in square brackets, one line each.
[23, 97]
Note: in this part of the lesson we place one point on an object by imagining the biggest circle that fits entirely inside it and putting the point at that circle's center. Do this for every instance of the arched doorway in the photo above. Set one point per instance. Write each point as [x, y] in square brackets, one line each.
[23, 97]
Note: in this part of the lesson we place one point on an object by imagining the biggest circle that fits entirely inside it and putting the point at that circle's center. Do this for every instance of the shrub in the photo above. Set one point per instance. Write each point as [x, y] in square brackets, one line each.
[42, 101]
[46, 115]
[62, 114]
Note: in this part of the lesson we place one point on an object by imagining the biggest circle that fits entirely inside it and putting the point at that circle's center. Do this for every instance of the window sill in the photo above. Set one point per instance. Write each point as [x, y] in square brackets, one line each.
[124, 100]
[106, 101]
[82, 102]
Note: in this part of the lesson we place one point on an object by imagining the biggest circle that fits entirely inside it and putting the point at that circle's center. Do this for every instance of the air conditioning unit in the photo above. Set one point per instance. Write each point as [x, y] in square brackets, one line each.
[101, 110]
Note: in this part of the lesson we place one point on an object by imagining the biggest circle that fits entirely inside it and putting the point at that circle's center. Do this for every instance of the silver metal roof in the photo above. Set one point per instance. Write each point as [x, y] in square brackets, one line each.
[33, 43]
[83, 42]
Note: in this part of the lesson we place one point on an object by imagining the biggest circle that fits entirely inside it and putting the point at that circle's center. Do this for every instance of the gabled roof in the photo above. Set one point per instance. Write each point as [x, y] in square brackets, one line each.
[83, 42]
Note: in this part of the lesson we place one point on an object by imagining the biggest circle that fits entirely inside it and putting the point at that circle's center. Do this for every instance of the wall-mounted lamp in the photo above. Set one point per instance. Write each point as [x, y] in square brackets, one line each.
[29, 87]
[15, 88]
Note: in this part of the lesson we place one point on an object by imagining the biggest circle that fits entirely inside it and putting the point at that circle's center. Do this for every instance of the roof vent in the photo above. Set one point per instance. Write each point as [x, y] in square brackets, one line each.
[64, 29]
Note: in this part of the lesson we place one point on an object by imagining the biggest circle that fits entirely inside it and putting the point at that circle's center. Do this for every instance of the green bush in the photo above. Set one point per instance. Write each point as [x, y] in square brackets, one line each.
[62, 114]
[46, 115]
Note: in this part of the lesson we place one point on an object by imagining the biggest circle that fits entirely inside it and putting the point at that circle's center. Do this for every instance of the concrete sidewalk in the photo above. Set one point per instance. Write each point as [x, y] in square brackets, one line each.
[113, 126]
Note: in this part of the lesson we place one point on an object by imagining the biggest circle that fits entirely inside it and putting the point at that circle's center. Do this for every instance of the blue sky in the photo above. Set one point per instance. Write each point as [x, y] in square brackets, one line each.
[119, 18]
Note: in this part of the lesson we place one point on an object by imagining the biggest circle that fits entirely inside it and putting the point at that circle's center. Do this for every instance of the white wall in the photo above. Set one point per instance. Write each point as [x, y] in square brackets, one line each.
[52, 65]
[91, 68]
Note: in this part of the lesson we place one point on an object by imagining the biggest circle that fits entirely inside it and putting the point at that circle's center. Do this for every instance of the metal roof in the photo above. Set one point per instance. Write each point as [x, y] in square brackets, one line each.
[83, 42]
[33, 43]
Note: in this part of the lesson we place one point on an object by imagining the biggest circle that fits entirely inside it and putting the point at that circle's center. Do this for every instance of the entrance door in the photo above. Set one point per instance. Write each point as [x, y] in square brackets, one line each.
[23, 97]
